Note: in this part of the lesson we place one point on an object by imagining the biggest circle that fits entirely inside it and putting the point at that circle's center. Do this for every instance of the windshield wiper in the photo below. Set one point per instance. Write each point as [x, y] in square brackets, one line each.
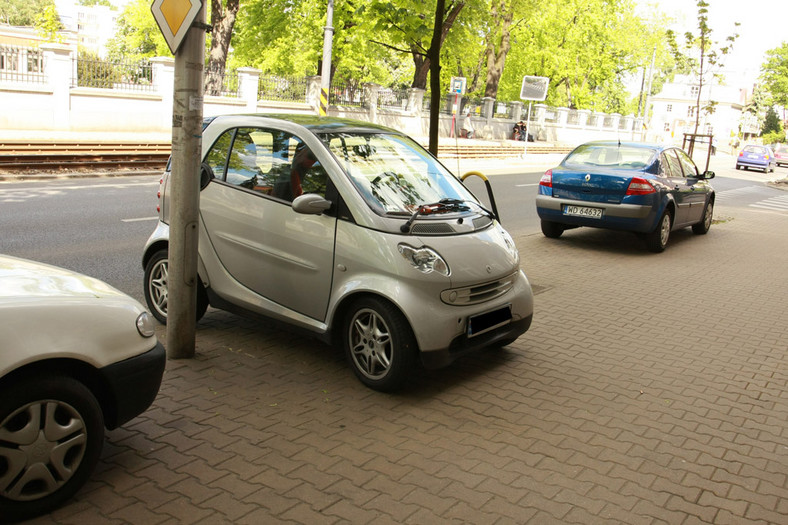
[442, 206]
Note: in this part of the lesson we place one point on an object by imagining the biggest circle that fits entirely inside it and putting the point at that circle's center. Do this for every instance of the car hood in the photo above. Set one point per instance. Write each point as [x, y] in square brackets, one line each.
[23, 278]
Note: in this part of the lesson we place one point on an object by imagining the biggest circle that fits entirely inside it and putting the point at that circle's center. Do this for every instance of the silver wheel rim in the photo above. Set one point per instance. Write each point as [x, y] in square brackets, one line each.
[370, 344]
[707, 218]
[42, 445]
[664, 231]
[157, 287]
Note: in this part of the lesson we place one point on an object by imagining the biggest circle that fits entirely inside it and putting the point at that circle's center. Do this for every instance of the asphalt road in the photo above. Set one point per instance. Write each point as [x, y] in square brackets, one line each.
[98, 226]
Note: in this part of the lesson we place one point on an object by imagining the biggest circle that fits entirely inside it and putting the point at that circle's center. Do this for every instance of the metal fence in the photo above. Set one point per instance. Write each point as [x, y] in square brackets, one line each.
[285, 89]
[111, 74]
[347, 95]
[389, 98]
[21, 64]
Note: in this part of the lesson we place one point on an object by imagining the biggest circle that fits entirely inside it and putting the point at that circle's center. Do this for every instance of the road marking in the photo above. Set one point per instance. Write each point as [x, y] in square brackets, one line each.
[526, 185]
[155, 217]
[773, 204]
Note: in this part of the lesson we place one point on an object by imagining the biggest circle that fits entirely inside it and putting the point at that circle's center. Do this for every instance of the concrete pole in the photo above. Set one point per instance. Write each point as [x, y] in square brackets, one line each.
[185, 184]
[325, 72]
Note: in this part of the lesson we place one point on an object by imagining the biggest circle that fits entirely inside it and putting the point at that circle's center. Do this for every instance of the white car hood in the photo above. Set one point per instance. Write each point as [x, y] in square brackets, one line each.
[23, 278]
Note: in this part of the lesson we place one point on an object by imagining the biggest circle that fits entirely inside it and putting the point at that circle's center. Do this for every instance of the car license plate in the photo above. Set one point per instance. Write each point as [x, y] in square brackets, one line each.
[752, 156]
[582, 211]
[479, 324]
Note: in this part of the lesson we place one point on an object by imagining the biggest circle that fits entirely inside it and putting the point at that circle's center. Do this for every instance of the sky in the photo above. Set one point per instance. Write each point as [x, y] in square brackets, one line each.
[764, 26]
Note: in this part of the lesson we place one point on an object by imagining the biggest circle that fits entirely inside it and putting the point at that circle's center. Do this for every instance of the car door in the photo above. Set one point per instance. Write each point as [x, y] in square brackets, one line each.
[677, 185]
[698, 188]
[267, 247]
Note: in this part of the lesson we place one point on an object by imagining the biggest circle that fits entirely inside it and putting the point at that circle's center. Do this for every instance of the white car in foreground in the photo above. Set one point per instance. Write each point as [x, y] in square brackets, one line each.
[76, 356]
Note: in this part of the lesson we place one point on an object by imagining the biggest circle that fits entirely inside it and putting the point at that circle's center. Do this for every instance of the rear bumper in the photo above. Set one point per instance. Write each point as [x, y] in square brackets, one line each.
[630, 217]
[750, 163]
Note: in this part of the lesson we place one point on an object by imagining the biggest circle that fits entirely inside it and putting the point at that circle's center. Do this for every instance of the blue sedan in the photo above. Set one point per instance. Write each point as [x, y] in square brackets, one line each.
[644, 188]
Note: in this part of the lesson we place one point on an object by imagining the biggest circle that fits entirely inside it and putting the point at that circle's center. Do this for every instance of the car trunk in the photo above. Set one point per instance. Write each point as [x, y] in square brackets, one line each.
[608, 186]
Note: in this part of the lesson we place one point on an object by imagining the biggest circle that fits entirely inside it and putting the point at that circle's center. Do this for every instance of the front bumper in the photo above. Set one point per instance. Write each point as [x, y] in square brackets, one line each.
[462, 344]
[133, 385]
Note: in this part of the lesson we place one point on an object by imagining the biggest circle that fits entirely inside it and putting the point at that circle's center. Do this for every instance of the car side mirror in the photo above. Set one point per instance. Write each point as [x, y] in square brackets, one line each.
[708, 175]
[311, 204]
[206, 175]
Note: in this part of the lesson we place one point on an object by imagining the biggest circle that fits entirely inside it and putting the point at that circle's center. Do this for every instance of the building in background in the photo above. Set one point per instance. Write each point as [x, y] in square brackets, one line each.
[93, 26]
[673, 112]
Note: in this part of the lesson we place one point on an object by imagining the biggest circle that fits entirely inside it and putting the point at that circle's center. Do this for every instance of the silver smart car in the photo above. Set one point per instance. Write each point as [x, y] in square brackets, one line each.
[353, 232]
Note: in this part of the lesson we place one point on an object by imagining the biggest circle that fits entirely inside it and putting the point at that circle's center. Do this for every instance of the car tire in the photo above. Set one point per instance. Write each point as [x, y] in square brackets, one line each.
[738, 167]
[702, 227]
[379, 344]
[156, 293]
[51, 435]
[552, 230]
[657, 240]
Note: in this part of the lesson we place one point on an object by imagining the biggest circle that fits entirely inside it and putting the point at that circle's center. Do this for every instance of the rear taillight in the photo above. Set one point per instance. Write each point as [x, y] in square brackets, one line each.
[741, 154]
[639, 186]
[547, 179]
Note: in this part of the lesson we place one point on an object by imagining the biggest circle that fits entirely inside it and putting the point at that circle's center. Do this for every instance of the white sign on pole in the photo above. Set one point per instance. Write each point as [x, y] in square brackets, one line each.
[534, 88]
[457, 85]
[174, 18]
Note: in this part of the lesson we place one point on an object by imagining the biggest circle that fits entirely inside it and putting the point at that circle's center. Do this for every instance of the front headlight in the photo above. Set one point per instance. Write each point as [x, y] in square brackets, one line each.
[510, 246]
[424, 259]
[145, 325]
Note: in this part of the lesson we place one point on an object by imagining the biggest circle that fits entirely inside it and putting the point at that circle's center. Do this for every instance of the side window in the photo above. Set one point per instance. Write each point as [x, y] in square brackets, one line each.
[217, 157]
[686, 163]
[673, 161]
[274, 163]
[664, 166]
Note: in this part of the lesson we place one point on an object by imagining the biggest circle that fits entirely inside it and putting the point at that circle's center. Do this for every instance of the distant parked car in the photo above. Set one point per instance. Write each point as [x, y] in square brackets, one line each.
[644, 188]
[76, 356]
[754, 156]
[780, 154]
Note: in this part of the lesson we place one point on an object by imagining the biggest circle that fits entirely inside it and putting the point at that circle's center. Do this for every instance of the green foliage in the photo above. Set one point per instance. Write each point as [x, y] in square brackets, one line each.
[774, 73]
[93, 71]
[772, 122]
[48, 24]
[23, 12]
[701, 55]
[773, 137]
[90, 3]
[137, 35]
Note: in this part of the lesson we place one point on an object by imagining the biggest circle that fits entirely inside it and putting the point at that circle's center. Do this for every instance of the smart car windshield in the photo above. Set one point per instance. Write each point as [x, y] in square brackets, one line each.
[610, 156]
[394, 174]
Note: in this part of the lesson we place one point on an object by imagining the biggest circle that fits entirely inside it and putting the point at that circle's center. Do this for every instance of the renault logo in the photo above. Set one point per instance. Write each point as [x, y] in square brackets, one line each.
[588, 177]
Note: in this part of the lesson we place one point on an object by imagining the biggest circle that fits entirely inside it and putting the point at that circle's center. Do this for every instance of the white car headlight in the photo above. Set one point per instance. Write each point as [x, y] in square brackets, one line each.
[145, 325]
[424, 259]
[510, 246]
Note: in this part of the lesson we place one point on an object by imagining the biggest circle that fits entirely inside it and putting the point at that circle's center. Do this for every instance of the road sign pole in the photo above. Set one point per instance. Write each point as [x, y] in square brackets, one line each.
[325, 72]
[185, 184]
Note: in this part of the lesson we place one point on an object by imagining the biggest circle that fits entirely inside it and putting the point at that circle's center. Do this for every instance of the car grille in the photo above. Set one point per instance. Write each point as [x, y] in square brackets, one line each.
[444, 228]
[478, 293]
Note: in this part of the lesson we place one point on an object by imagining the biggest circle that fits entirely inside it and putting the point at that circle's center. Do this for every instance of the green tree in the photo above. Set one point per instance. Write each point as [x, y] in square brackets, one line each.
[48, 24]
[22, 12]
[709, 57]
[137, 34]
[771, 122]
[774, 74]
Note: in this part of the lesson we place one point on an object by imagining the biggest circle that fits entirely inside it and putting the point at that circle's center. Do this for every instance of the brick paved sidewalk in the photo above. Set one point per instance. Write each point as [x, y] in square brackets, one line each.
[650, 389]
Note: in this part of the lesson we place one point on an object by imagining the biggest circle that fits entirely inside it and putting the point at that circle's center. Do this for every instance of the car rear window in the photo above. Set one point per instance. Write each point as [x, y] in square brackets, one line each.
[611, 156]
[755, 149]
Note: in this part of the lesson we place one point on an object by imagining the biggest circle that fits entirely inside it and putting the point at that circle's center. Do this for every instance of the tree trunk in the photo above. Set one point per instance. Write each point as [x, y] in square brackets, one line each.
[440, 31]
[222, 20]
[501, 16]
[433, 56]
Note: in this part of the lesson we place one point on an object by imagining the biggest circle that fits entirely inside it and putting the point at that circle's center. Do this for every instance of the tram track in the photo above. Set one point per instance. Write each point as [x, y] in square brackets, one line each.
[20, 157]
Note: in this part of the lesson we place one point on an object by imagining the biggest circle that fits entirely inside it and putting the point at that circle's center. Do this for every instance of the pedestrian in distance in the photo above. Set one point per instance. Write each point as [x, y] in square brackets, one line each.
[466, 129]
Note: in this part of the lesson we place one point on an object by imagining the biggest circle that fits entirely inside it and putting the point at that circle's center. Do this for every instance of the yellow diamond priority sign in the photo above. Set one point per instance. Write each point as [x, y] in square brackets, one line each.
[174, 18]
